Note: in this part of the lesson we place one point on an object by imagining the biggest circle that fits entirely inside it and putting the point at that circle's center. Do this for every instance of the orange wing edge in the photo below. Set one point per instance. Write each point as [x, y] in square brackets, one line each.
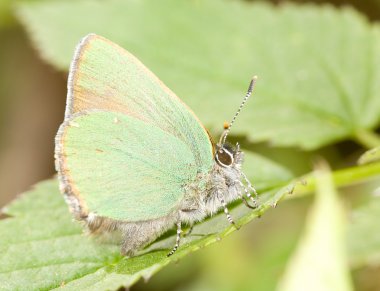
[67, 187]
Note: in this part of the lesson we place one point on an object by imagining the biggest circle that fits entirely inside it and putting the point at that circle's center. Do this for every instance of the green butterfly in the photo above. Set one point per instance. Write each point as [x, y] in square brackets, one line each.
[132, 157]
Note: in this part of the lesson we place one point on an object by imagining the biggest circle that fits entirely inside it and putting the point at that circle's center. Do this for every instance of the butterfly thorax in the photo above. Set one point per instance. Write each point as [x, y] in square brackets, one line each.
[222, 184]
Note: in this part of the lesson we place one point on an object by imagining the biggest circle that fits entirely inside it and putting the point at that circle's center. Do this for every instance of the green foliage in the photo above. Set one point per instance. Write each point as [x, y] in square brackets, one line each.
[7, 17]
[315, 64]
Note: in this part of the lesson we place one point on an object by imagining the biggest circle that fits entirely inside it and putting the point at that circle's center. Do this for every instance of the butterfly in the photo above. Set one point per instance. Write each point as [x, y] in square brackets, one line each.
[132, 157]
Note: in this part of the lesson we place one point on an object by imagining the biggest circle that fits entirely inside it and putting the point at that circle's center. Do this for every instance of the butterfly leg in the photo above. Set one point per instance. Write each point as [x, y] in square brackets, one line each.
[249, 185]
[224, 204]
[248, 195]
[179, 230]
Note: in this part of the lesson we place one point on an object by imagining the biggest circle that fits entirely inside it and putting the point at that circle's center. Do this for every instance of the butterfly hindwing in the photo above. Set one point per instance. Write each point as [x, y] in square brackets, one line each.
[134, 172]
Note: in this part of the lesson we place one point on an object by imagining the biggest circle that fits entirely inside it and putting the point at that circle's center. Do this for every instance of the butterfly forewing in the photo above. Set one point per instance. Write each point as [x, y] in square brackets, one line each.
[105, 76]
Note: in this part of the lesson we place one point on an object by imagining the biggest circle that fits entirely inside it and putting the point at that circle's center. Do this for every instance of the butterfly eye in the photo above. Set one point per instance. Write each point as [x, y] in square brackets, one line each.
[224, 158]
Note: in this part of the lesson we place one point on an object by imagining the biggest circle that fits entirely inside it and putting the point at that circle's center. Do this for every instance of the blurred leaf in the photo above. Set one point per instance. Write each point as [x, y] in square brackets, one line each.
[317, 65]
[373, 155]
[42, 248]
[263, 172]
[7, 17]
[319, 262]
[364, 235]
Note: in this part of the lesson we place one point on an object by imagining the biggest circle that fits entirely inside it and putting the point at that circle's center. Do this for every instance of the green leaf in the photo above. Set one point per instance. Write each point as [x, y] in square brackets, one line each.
[42, 248]
[7, 17]
[317, 65]
[263, 172]
[370, 156]
[319, 263]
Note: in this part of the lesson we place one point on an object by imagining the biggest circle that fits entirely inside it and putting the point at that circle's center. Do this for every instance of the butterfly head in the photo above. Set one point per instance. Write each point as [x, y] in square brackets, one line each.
[226, 155]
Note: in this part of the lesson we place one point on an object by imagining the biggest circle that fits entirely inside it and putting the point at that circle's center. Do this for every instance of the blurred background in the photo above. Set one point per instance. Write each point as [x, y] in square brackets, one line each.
[32, 102]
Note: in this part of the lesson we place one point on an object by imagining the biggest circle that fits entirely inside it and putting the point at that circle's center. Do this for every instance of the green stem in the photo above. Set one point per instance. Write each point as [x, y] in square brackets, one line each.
[367, 138]
[342, 178]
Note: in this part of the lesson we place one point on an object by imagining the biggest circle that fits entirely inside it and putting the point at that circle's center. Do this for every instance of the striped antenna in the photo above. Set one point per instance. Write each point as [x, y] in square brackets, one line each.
[246, 97]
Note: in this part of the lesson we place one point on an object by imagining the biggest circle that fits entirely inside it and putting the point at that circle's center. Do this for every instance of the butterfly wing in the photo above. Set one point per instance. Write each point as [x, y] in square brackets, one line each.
[123, 168]
[128, 144]
[105, 76]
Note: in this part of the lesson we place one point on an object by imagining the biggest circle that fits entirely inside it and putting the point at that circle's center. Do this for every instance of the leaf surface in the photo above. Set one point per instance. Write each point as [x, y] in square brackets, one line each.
[317, 65]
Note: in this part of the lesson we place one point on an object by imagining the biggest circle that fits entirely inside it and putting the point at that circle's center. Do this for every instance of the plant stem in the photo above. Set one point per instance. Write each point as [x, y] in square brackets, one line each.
[342, 178]
[367, 138]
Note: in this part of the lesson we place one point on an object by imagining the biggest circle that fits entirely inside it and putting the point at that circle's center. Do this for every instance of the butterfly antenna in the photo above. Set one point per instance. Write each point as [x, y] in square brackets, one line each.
[227, 127]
